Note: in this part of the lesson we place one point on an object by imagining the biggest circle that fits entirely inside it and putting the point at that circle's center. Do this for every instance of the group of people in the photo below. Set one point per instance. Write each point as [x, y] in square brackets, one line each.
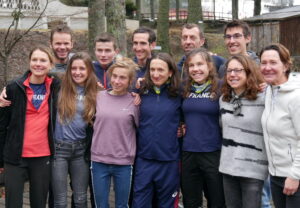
[205, 125]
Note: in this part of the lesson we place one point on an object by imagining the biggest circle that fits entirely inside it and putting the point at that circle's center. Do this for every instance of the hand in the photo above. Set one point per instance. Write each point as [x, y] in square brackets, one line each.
[290, 186]
[262, 86]
[3, 101]
[181, 130]
[100, 85]
[137, 99]
[139, 82]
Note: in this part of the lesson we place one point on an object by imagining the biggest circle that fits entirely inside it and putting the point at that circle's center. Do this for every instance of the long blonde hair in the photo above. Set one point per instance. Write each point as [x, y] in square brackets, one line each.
[68, 92]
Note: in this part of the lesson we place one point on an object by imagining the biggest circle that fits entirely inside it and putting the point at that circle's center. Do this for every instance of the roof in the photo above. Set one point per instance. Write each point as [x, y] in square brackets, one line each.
[279, 14]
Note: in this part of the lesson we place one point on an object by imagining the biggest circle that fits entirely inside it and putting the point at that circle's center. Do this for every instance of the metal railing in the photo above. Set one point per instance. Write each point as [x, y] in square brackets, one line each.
[32, 5]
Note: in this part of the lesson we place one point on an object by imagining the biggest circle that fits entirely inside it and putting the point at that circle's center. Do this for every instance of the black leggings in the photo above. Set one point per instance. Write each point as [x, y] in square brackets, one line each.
[37, 170]
[279, 198]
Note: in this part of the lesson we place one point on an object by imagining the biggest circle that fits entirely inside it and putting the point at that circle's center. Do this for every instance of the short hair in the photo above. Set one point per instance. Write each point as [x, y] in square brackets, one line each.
[283, 53]
[254, 78]
[211, 76]
[62, 28]
[44, 49]
[127, 64]
[173, 87]
[143, 29]
[238, 23]
[106, 37]
[193, 25]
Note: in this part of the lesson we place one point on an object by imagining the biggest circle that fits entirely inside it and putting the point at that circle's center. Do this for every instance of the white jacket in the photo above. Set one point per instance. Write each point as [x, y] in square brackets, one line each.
[281, 127]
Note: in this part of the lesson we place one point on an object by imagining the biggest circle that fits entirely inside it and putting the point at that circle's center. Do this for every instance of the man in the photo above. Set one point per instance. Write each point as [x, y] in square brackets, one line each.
[192, 37]
[61, 43]
[105, 51]
[143, 42]
[237, 36]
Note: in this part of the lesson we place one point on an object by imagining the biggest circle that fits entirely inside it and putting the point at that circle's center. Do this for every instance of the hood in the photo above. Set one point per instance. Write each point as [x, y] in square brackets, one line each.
[292, 83]
[253, 56]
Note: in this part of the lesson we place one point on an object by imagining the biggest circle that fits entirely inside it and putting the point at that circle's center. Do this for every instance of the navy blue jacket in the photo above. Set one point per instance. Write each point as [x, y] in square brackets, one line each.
[102, 75]
[201, 115]
[157, 132]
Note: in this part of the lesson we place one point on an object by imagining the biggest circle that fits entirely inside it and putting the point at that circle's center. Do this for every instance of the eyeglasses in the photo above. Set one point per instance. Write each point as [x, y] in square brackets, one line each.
[235, 36]
[236, 70]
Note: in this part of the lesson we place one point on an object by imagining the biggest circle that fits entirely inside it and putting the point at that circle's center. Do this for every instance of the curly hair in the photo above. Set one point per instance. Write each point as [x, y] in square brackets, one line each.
[253, 74]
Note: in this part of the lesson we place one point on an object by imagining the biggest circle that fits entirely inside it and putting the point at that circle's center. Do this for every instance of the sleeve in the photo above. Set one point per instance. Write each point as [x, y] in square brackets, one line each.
[294, 110]
[5, 114]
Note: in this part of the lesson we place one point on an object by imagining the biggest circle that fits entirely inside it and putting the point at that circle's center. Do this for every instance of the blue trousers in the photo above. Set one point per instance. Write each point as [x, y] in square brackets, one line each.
[101, 178]
[155, 176]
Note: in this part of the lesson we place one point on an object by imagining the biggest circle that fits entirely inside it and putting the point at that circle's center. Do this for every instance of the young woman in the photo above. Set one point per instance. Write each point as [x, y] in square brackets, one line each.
[114, 139]
[202, 140]
[280, 122]
[243, 156]
[156, 167]
[73, 131]
[25, 140]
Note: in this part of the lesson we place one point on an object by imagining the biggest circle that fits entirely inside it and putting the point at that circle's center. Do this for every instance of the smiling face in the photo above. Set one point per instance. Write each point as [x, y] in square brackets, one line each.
[190, 39]
[159, 72]
[39, 64]
[61, 45]
[237, 43]
[79, 72]
[236, 76]
[272, 68]
[120, 81]
[141, 47]
[198, 69]
[105, 53]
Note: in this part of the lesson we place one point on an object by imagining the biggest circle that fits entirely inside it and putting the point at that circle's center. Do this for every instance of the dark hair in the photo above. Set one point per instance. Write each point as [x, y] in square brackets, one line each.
[173, 88]
[283, 53]
[63, 28]
[238, 23]
[106, 37]
[211, 76]
[44, 49]
[254, 78]
[152, 35]
[191, 26]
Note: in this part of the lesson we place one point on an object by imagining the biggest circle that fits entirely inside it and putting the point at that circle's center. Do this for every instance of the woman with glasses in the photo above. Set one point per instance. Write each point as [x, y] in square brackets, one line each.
[243, 157]
[280, 122]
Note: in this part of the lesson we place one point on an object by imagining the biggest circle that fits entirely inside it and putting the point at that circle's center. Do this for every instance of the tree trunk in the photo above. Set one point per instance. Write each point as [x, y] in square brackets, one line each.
[235, 9]
[163, 25]
[152, 9]
[291, 2]
[138, 9]
[115, 14]
[96, 21]
[257, 7]
[194, 11]
[177, 9]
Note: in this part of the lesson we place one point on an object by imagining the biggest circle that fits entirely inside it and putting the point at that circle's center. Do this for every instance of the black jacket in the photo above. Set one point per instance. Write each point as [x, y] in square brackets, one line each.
[12, 120]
